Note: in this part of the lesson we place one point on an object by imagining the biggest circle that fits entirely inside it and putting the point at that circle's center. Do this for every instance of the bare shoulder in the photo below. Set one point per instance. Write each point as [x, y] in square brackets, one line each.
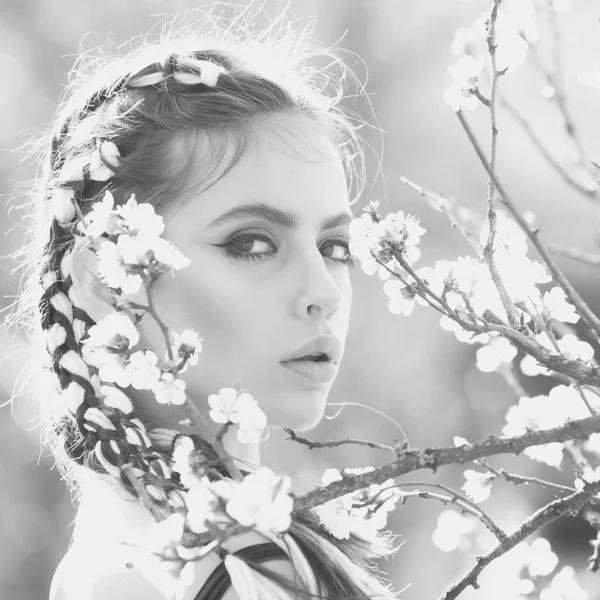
[99, 575]
[93, 577]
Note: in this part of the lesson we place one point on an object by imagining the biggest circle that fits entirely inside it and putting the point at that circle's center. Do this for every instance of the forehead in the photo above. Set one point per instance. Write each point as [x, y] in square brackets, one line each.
[297, 170]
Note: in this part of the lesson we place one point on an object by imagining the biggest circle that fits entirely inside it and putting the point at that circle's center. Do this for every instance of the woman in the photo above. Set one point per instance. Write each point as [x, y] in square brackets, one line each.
[249, 167]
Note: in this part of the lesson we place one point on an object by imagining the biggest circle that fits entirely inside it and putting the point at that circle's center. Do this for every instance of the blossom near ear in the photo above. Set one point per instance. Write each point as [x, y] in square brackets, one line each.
[93, 296]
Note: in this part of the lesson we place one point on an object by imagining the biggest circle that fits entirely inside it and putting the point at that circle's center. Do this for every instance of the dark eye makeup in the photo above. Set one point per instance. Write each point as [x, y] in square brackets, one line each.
[239, 249]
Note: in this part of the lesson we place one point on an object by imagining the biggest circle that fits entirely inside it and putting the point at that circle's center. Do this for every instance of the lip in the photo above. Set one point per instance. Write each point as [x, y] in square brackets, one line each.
[321, 372]
[326, 344]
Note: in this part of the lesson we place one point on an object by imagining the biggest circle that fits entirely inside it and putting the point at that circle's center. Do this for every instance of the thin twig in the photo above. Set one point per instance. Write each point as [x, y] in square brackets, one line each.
[543, 151]
[553, 510]
[465, 502]
[445, 205]
[575, 253]
[588, 316]
[413, 459]
[335, 443]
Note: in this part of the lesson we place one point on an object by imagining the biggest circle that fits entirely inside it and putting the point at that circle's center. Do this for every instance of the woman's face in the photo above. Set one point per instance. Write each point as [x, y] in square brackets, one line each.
[266, 275]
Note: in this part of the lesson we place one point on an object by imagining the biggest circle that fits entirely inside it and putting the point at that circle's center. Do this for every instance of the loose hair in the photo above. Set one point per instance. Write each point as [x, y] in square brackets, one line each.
[155, 105]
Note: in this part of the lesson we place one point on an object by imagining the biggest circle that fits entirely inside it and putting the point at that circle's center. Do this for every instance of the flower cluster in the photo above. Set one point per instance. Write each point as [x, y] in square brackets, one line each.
[139, 255]
[110, 347]
[563, 403]
[362, 512]
[229, 406]
[397, 232]
[260, 500]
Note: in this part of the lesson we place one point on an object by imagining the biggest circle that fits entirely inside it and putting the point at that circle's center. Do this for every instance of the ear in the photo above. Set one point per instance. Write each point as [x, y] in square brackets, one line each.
[94, 297]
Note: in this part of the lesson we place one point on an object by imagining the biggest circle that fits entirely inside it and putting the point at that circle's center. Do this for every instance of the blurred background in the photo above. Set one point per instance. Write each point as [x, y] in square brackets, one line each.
[408, 368]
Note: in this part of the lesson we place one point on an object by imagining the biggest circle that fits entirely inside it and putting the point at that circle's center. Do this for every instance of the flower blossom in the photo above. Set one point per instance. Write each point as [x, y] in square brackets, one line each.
[143, 370]
[187, 346]
[453, 532]
[575, 349]
[368, 236]
[362, 512]
[182, 449]
[496, 354]
[103, 218]
[262, 500]
[478, 486]
[240, 409]
[563, 403]
[557, 306]
[564, 586]
[113, 270]
[107, 346]
[464, 75]
[169, 390]
[140, 218]
[401, 297]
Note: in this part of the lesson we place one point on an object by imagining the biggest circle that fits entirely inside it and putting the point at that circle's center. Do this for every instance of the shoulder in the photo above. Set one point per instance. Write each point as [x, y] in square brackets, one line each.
[99, 575]
[91, 576]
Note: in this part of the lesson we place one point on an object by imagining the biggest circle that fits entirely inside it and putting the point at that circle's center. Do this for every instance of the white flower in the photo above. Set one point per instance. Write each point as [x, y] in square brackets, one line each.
[551, 454]
[589, 476]
[113, 270]
[402, 299]
[116, 331]
[362, 512]
[593, 443]
[453, 532]
[540, 560]
[241, 409]
[556, 303]
[169, 390]
[465, 74]
[367, 236]
[574, 349]
[202, 503]
[184, 446]
[498, 353]
[531, 367]
[545, 412]
[141, 249]
[460, 441]
[564, 586]
[142, 369]
[262, 500]
[462, 335]
[406, 230]
[141, 218]
[251, 426]
[478, 485]
[187, 346]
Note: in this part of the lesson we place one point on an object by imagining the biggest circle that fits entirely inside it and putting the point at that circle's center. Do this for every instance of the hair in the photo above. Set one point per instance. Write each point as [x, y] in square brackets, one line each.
[155, 105]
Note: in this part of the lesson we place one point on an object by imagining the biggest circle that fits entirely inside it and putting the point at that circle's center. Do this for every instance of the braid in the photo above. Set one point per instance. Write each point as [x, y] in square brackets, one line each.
[113, 139]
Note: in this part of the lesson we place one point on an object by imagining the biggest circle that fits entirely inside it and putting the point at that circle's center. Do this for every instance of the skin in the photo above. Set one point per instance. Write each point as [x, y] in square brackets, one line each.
[251, 314]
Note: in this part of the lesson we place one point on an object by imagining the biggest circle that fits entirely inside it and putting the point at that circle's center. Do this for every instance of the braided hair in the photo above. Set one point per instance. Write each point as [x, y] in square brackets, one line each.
[120, 130]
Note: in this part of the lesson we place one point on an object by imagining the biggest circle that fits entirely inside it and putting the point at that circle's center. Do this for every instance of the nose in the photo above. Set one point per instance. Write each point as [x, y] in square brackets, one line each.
[317, 291]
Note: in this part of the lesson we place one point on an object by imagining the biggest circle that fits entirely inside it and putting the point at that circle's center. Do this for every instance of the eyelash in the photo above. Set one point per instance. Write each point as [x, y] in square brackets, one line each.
[248, 256]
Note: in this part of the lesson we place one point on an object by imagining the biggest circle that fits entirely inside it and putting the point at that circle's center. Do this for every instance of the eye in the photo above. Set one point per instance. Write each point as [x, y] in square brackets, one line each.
[345, 257]
[240, 247]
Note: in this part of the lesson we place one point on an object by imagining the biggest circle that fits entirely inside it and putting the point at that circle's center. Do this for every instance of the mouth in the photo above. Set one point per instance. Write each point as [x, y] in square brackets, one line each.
[317, 368]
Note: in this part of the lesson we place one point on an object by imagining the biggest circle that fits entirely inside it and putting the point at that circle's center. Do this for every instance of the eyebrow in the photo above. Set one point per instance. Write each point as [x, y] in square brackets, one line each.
[277, 216]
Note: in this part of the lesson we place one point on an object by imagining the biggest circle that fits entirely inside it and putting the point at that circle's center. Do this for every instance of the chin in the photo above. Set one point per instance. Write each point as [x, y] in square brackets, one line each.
[309, 415]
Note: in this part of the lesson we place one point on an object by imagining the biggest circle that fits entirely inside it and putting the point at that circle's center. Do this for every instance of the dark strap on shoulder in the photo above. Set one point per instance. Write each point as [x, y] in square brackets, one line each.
[219, 580]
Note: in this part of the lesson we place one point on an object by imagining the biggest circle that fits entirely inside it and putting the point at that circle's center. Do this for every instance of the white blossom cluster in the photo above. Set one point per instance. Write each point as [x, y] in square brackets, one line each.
[362, 512]
[561, 404]
[515, 30]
